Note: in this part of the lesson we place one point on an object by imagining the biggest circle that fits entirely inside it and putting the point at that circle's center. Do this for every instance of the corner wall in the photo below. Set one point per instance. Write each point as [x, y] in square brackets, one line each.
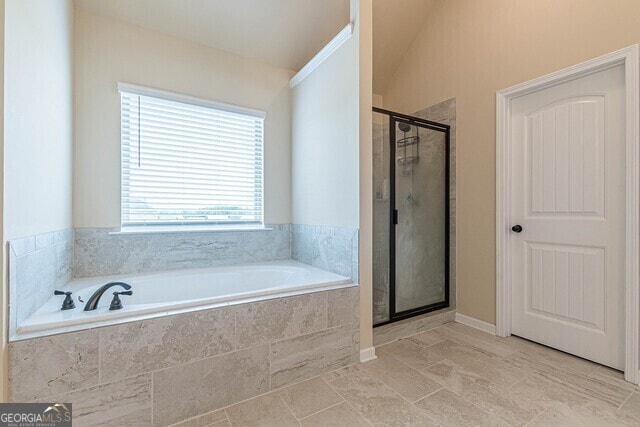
[38, 149]
[324, 161]
[469, 50]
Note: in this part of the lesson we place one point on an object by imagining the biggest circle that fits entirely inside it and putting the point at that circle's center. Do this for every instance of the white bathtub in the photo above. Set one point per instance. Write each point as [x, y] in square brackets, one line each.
[169, 292]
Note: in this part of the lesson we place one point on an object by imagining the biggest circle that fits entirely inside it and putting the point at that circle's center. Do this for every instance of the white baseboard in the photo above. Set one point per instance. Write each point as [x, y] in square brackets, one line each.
[474, 323]
[368, 354]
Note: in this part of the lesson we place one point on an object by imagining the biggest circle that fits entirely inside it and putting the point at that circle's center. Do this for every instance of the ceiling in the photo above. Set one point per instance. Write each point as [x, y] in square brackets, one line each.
[284, 33]
[396, 23]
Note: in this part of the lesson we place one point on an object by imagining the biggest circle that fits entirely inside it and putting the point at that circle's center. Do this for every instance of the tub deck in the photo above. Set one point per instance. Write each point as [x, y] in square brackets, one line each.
[178, 291]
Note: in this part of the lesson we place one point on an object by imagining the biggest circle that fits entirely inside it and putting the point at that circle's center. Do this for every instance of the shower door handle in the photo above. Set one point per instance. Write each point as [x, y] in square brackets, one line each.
[395, 216]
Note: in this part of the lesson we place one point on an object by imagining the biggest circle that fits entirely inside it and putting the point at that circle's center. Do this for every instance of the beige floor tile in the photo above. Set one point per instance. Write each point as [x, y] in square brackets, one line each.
[486, 345]
[412, 354]
[632, 406]
[591, 387]
[208, 419]
[603, 414]
[426, 338]
[552, 419]
[404, 380]
[478, 334]
[537, 391]
[613, 377]
[483, 392]
[551, 357]
[501, 404]
[377, 403]
[455, 377]
[268, 410]
[309, 397]
[449, 409]
[343, 372]
[341, 415]
[586, 416]
[489, 366]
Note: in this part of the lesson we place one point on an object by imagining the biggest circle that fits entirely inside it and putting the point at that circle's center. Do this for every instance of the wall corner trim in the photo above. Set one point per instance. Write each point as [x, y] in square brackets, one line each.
[478, 324]
[368, 354]
[324, 53]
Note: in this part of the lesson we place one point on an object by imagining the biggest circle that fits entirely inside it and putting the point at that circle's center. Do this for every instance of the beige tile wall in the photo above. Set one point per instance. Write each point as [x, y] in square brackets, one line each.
[164, 370]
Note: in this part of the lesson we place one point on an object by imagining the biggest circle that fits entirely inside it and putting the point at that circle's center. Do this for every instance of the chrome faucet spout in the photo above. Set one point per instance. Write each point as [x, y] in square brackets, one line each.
[92, 303]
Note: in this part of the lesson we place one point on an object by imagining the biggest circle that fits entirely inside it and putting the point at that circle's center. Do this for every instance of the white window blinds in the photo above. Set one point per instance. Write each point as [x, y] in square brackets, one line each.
[187, 161]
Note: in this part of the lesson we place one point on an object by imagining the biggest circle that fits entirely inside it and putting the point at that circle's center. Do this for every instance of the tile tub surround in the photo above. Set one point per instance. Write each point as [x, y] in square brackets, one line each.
[99, 253]
[38, 265]
[333, 249]
[168, 369]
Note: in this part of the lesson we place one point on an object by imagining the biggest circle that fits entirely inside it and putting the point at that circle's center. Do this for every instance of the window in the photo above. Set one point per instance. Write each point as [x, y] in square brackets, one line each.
[189, 162]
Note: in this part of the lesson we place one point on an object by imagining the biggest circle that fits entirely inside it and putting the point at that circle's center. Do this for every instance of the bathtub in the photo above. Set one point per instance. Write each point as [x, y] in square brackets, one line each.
[178, 291]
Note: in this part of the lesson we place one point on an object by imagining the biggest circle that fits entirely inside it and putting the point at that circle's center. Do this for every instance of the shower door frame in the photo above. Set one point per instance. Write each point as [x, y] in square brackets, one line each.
[395, 118]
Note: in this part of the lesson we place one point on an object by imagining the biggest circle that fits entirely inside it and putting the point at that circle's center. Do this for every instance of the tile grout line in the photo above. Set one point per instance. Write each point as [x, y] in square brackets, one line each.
[544, 411]
[345, 399]
[325, 409]
[625, 400]
[413, 369]
[288, 408]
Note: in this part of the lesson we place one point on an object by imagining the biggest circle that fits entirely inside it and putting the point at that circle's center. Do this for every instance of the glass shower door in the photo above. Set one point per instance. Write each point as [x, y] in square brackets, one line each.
[381, 218]
[419, 162]
[410, 216]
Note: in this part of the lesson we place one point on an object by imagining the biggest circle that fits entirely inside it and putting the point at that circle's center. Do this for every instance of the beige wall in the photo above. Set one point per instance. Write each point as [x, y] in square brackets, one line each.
[108, 51]
[364, 35]
[38, 116]
[469, 49]
[325, 142]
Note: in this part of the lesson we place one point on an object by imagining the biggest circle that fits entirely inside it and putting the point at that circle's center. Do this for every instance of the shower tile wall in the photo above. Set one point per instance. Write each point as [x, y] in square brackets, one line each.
[415, 224]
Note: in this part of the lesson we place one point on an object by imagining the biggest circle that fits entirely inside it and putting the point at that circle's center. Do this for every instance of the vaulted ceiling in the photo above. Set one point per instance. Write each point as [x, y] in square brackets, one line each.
[396, 23]
[284, 33]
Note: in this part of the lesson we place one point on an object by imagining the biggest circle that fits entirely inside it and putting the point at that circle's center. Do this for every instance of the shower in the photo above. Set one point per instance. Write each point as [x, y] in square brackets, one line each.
[408, 147]
[410, 216]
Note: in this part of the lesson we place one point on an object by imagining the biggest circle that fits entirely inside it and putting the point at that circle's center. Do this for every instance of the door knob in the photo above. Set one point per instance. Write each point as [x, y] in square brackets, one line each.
[516, 228]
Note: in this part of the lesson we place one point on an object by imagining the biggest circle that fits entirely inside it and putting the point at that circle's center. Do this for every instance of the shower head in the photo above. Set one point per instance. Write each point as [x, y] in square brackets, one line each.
[404, 127]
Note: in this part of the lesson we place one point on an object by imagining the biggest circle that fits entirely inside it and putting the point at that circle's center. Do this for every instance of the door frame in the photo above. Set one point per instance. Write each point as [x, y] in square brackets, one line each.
[629, 58]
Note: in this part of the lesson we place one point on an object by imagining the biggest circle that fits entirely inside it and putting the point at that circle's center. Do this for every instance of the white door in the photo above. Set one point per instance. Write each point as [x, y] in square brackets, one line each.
[568, 195]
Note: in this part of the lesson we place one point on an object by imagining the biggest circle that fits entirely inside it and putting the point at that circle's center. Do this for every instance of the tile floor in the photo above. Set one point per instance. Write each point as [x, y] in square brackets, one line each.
[452, 376]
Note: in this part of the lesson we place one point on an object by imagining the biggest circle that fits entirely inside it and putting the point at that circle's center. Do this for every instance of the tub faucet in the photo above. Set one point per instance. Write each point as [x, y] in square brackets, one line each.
[92, 303]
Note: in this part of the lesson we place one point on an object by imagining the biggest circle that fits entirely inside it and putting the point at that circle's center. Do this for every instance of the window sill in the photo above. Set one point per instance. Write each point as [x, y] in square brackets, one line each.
[184, 230]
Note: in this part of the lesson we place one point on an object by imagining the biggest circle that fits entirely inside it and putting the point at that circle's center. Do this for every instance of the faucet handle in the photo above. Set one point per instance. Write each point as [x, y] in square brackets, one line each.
[116, 303]
[68, 303]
